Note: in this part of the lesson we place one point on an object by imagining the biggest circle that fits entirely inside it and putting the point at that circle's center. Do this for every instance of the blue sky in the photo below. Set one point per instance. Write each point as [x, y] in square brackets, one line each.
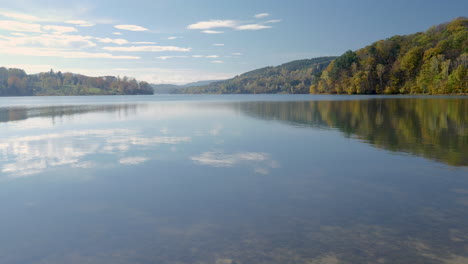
[180, 41]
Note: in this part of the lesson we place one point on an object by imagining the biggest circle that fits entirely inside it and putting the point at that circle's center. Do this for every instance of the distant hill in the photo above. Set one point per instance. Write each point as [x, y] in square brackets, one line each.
[200, 83]
[431, 62]
[172, 88]
[165, 88]
[292, 77]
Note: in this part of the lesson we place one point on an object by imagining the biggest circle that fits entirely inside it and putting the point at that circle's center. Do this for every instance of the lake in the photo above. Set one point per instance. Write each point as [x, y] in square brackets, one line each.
[233, 179]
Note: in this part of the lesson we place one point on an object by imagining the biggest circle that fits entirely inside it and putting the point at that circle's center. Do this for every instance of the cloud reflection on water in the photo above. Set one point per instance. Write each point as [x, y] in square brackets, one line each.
[261, 160]
[133, 160]
[29, 155]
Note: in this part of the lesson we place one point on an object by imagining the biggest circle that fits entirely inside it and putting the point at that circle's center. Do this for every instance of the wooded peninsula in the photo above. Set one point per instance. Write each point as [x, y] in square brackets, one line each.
[15, 82]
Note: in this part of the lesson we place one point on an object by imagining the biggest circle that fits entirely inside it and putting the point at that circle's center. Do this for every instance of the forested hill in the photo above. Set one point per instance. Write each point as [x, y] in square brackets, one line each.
[432, 62]
[292, 77]
[15, 82]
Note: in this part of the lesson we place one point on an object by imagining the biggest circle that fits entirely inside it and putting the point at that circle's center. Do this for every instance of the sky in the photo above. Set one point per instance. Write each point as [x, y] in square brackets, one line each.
[183, 41]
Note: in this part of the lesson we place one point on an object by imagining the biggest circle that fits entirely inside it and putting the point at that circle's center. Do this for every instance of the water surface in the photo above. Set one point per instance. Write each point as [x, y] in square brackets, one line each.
[233, 179]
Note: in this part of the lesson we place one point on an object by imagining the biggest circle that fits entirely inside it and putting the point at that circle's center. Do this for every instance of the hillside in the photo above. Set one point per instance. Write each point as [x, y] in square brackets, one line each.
[431, 62]
[292, 77]
[165, 88]
[15, 82]
[199, 83]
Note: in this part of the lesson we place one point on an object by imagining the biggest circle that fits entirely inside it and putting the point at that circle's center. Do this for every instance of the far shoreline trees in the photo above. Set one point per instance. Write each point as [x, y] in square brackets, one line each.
[15, 82]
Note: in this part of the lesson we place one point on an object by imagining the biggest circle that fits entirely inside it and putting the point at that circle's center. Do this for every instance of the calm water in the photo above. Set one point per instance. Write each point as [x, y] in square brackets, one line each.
[233, 179]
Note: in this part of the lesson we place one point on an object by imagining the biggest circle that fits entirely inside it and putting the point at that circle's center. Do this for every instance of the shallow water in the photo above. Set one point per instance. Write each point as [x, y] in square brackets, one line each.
[233, 179]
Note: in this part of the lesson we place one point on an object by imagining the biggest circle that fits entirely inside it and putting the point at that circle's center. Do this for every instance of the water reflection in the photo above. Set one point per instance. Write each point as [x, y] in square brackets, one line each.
[8, 114]
[262, 161]
[213, 182]
[431, 128]
[29, 155]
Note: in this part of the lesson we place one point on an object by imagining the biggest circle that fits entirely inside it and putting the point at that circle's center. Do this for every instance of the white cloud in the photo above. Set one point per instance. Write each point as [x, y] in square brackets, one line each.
[148, 48]
[143, 43]
[31, 68]
[74, 55]
[114, 41]
[59, 29]
[205, 56]
[213, 24]
[217, 61]
[122, 41]
[133, 160]
[207, 26]
[212, 32]
[19, 34]
[252, 27]
[131, 27]
[40, 52]
[170, 57]
[273, 21]
[80, 23]
[261, 15]
[76, 22]
[172, 38]
[117, 33]
[218, 45]
[19, 16]
[237, 54]
[48, 15]
[10, 25]
[62, 16]
[49, 41]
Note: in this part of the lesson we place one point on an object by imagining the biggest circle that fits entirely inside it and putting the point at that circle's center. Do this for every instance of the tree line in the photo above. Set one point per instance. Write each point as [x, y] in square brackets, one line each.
[15, 82]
